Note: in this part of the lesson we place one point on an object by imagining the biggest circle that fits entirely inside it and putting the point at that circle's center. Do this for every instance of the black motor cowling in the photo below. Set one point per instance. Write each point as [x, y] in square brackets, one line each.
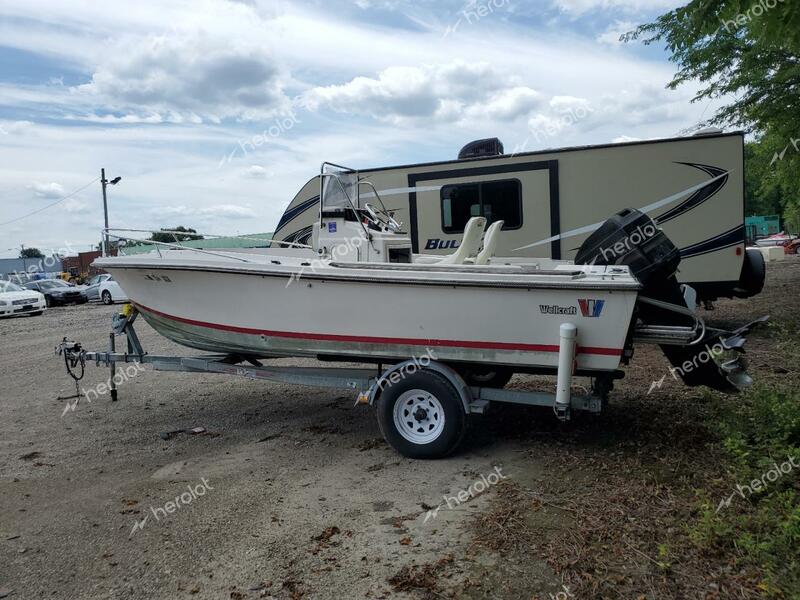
[633, 239]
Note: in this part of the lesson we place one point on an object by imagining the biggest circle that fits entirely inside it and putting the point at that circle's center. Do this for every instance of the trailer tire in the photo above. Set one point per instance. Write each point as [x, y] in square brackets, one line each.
[422, 416]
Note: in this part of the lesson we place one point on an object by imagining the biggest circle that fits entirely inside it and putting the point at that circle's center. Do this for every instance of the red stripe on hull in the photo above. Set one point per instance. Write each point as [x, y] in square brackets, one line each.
[331, 337]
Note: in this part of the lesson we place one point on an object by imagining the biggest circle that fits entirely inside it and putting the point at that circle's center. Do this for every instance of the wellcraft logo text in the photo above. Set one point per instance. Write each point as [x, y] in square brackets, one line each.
[553, 309]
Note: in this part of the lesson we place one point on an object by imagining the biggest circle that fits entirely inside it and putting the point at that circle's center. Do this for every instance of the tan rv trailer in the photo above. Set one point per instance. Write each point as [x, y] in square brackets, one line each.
[551, 200]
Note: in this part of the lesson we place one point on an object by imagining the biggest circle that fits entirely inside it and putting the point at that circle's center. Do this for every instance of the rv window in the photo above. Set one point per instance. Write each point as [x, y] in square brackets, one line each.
[459, 203]
[495, 200]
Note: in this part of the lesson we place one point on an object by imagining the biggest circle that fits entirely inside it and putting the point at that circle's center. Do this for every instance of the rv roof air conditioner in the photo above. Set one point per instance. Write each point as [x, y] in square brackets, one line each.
[487, 147]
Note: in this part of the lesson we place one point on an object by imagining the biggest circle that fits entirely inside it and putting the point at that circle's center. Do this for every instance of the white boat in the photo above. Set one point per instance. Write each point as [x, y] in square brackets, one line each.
[359, 294]
[333, 301]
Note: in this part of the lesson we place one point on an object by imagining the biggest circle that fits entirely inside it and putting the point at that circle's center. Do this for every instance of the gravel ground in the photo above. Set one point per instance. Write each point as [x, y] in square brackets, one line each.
[300, 495]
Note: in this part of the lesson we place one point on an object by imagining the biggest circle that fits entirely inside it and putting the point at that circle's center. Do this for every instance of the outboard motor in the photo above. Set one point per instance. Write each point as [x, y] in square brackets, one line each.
[633, 239]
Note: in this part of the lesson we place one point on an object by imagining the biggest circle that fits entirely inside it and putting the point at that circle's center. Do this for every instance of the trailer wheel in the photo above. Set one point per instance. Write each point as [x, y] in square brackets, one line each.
[421, 416]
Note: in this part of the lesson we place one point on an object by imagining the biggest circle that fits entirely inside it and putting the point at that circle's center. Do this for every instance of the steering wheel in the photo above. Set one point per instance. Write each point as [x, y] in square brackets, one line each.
[381, 217]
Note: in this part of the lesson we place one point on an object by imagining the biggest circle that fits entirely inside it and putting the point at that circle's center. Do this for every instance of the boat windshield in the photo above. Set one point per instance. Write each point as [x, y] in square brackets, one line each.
[339, 188]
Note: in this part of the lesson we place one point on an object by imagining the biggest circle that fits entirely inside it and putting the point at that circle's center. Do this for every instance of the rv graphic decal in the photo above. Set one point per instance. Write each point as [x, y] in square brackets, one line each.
[590, 307]
[701, 195]
[646, 209]
[732, 237]
[437, 244]
[291, 213]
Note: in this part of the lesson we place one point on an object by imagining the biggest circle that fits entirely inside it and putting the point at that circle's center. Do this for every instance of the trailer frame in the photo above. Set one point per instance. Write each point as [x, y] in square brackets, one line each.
[368, 383]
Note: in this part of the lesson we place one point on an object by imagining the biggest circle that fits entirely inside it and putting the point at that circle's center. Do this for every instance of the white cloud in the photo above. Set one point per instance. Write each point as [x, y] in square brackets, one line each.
[256, 172]
[186, 78]
[615, 31]
[75, 206]
[161, 105]
[444, 92]
[579, 7]
[50, 190]
[621, 139]
[225, 211]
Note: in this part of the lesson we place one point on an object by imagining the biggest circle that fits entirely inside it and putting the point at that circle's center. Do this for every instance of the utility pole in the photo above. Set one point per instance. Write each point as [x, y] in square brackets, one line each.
[24, 258]
[104, 182]
[105, 211]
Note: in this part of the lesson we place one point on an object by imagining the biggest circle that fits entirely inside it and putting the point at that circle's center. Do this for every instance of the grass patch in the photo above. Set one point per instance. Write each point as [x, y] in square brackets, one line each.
[759, 525]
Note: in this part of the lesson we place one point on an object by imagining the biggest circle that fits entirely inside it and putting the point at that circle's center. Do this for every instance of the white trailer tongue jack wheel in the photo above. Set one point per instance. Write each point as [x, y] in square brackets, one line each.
[423, 410]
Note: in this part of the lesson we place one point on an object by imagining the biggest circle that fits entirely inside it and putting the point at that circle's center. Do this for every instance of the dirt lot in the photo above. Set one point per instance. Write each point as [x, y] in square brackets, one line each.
[296, 494]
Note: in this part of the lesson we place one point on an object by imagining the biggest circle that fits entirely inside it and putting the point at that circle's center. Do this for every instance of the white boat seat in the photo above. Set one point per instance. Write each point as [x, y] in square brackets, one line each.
[470, 243]
[489, 243]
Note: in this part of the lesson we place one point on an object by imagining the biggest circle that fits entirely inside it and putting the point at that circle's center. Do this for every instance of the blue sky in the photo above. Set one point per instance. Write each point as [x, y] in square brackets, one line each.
[215, 112]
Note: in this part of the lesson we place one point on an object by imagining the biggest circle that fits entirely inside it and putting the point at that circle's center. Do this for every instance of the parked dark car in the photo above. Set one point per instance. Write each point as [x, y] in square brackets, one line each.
[57, 292]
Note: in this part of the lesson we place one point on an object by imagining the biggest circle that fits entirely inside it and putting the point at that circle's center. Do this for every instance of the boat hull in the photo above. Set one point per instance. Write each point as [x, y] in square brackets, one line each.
[260, 314]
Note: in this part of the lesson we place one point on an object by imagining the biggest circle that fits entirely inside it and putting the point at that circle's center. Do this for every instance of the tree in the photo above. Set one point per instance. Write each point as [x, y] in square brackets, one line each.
[31, 253]
[747, 52]
[164, 236]
[761, 195]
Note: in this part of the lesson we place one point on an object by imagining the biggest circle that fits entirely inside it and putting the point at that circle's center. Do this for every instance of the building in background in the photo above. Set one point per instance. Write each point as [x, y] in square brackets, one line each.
[30, 268]
[759, 226]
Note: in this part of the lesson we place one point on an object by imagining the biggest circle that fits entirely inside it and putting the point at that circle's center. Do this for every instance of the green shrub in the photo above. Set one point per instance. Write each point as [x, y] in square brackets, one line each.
[757, 430]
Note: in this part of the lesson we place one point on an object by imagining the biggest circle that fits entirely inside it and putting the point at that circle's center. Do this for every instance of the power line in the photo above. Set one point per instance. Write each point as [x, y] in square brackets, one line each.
[38, 210]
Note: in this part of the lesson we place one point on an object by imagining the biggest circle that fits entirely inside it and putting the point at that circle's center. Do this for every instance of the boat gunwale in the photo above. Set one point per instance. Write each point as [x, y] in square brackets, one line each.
[611, 284]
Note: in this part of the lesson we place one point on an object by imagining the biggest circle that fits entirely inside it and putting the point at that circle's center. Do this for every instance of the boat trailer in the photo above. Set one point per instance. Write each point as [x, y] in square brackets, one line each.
[424, 394]
[368, 383]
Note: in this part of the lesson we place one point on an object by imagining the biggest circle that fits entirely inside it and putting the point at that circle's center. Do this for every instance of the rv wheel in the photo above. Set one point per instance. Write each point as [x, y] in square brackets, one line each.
[421, 416]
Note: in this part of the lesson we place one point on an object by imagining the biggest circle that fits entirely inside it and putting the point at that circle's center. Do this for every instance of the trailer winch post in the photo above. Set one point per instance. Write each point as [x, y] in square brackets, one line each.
[568, 334]
[112, 365]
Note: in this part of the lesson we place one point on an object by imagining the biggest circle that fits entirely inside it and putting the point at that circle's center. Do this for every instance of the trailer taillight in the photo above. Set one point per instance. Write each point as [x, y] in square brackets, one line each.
[738, 250]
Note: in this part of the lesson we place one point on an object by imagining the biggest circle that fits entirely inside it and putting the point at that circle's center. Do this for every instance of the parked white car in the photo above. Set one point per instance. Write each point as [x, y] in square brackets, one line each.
[93, 286]
[15, 300]
[110, 292]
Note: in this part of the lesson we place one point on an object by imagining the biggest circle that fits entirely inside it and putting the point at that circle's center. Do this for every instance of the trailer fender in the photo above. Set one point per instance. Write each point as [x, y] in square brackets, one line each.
[407, 367]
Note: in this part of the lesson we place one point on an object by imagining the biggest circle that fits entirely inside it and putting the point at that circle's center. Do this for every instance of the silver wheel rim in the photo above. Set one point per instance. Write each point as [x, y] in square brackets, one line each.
[418, 416]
